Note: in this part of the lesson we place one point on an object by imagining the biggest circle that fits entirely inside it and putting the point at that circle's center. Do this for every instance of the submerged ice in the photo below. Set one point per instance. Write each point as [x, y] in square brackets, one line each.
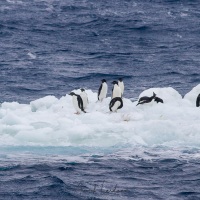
[50, 121]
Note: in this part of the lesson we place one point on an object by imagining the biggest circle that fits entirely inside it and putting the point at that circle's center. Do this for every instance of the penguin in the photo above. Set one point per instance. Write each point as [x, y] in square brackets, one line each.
[116, 91]
[84, 97]
[102, 90]
[158, 100]
[145, 99]
[77, 102]
[115, 104]
[198, 101]
[121, 85]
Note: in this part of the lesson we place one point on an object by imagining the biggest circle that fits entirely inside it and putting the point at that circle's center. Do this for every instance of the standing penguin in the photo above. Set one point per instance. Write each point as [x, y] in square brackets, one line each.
[84, 97]
[198, 101]
[121, 85]
[116, 91]
[77, 102]
[102, 90]
[115, 104]
[145, 99]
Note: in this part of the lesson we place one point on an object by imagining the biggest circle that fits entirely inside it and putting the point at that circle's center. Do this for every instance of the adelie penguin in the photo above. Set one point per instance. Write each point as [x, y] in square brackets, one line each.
[116, 91]
[102, 92]
[115, 104]
[198, 101]
[145, 99]
[84, 97]
[158, 100]
[121, 85]
[77, 102]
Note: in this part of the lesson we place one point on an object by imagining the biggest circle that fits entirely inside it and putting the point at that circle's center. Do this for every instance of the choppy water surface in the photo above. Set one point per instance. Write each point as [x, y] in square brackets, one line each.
[142, 173]
[50, 47]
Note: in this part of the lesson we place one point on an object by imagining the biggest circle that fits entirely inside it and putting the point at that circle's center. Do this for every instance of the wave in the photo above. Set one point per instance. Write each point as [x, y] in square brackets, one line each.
[93, 76]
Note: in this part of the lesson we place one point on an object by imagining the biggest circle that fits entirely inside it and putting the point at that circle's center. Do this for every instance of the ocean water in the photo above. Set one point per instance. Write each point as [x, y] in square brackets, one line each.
[51, 47]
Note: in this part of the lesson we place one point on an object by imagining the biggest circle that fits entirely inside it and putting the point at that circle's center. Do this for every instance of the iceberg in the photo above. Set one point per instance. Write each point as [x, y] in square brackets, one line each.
[50, 121]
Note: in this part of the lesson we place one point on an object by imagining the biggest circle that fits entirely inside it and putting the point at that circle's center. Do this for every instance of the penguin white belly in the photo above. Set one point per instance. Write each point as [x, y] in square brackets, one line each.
[115, 106]
[85, 99]
[116, 92]
[75, 103]
[121, 85]
[103, 92]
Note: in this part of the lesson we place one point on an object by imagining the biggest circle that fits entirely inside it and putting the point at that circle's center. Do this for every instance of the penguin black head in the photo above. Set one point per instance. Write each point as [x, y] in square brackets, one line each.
[82, 90]
[72, 93]
[158, 100]
[120, 79]
[115, 82]
[103, 80]
[154, 95]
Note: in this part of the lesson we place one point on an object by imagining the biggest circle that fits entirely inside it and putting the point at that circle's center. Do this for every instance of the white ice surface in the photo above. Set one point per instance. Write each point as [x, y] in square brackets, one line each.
[51, 122]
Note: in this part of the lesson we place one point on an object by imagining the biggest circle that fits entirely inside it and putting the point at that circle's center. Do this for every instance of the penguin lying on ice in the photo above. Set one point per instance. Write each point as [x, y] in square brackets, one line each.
[115, 104]
[145, 99]
[77, 102]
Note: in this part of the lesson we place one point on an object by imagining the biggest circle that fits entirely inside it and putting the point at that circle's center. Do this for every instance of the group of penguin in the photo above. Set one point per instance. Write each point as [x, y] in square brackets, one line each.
[80, 101]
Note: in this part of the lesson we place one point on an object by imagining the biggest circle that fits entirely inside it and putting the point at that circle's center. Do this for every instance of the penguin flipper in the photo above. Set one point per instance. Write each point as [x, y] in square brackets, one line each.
[112, 92]
[111, 104]
[80, 103]
[121, 103]
[99, 90]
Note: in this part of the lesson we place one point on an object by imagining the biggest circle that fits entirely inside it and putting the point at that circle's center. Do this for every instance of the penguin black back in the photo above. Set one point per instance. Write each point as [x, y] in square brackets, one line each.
[99, 90]
[114, 100]
[80, 103]
[198, 101]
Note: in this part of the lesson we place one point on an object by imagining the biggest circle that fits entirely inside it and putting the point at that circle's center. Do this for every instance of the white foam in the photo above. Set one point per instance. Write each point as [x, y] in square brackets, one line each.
[51, 122]
[31, 55]
[14, 1]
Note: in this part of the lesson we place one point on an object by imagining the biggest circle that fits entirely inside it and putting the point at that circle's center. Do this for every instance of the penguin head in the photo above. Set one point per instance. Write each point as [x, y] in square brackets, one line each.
[115, 82]
[103, 80]
[72, 93]
[120, 79]
[82, 90]
[154, 95]
[156, 99]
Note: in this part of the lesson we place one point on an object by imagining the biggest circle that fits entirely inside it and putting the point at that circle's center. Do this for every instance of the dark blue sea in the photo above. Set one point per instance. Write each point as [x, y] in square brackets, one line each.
[51, 47]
